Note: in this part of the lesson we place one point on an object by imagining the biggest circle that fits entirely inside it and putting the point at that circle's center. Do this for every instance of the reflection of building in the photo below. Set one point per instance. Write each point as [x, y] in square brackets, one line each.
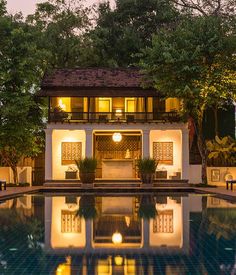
[118, 215]
[107, 114]
[168, 234]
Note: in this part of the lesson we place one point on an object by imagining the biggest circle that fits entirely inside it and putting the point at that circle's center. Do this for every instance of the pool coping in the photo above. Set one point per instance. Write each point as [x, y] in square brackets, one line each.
[13, 192]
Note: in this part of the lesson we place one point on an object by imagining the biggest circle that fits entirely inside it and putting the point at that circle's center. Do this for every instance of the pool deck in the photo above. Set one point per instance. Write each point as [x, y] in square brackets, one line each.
[220, 192]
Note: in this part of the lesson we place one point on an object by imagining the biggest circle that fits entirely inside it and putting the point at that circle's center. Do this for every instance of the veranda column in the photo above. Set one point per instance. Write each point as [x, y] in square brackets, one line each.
[89, 143]
[88, 234]
[48, 155]
[185, 153]
[146, 233]
[146, 143]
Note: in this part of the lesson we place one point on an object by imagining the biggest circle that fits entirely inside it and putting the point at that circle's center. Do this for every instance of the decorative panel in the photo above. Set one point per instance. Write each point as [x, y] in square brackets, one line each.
[163, 152]
[163, 222]
[105, 143]
[70, 151]
[70, 223]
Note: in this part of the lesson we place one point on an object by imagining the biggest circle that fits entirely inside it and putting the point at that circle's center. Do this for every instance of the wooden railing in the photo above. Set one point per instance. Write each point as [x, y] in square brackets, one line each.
[113, 117]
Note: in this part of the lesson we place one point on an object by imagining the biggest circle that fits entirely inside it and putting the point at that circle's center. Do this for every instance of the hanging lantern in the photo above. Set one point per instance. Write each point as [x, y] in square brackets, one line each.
[117, 137]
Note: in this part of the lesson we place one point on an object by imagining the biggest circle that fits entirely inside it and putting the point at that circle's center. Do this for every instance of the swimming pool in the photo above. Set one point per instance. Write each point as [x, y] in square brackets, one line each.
[130, 234]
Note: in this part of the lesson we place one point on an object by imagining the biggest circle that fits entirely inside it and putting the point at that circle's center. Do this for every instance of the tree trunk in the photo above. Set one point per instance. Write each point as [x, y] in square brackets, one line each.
[15, 175]
[215, 111]
[202, 146]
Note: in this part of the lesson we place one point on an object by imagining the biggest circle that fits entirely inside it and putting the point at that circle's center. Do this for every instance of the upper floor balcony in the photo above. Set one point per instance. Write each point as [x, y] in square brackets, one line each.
[112, 110]
[106, 96]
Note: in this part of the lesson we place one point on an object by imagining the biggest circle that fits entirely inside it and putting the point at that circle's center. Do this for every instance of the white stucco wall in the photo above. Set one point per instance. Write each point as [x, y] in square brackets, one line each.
[195, 174]
[24, 174]
[174, 239]
[169, 136]
[223, 172]
[59, 136]
[64, 240]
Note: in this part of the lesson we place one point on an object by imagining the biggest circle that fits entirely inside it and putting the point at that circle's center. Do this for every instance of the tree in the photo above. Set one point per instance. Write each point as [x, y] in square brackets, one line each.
[120, 33]
[207, 7]
[60, 26]
[21, 67]
[223, 150]
[196, 63]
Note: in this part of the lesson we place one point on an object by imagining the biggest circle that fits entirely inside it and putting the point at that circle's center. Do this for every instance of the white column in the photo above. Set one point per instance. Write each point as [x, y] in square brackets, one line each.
[88, 233]
[48, 155]
[89, 143]
[146, 229]
[185, 154]
[146, 143]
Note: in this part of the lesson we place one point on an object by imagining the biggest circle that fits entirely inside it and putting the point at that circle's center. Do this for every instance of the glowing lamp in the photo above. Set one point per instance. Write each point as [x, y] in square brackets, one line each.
[118, 260]
[62, 105]
[117, 137]
[118, 112]
[117, 238]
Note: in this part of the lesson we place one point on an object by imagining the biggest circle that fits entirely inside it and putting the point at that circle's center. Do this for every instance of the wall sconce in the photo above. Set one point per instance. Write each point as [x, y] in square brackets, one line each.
[117, 238]
[117, 137]
[118, 112]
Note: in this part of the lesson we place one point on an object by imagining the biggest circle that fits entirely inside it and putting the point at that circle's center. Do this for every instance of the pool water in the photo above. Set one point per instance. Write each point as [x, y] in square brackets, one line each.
[130, 234]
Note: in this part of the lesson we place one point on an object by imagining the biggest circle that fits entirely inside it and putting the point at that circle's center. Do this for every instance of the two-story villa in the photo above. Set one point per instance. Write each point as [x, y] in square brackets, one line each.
[107, 114]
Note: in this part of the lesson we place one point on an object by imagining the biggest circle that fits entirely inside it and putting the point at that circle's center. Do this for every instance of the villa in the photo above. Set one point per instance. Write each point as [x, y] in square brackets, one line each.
[109, 115]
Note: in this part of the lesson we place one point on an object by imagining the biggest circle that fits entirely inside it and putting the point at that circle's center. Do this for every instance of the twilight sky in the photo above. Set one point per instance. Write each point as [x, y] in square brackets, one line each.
[28, 6]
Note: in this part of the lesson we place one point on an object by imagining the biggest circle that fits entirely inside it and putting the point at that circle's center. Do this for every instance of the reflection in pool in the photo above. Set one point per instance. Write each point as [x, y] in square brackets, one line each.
[148, 234]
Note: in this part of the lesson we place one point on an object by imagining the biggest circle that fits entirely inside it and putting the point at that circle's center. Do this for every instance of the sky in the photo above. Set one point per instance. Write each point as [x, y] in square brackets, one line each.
[28, 6]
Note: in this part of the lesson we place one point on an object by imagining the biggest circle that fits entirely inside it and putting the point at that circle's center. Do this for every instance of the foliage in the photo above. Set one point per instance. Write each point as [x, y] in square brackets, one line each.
[222, 149]
[147, 165]
[87, 165]
[87, 207]
[207, 7]
[196, 63]
[147, 209]
[121, 33]
[60, 26]
[21, 68]
[221, 223]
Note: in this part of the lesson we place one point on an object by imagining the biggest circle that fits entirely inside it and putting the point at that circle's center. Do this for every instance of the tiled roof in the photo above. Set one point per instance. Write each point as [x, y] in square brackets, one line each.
[93, 78]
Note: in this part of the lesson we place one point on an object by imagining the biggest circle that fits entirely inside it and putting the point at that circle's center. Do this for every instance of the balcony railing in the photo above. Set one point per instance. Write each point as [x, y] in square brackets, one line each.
[113, 117]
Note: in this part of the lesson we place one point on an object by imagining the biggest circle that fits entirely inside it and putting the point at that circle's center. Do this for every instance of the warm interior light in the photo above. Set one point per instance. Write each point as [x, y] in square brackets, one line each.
[118, 112]
[117, 137]
[118, 260]
[117, 238]
[62, 105]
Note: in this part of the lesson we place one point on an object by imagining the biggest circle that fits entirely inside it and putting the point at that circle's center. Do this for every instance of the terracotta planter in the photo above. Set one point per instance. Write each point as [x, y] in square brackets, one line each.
[147, 178]
[87, 177]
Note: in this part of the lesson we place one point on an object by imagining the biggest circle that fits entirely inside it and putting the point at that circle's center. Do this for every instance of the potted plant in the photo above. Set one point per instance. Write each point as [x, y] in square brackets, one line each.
[147, 208]
[87, 207]
[87, 168]
[147, 168]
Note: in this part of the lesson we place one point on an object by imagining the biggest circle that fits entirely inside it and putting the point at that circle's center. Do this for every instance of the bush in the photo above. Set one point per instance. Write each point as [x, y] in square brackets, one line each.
[87, 165]
[147, 165]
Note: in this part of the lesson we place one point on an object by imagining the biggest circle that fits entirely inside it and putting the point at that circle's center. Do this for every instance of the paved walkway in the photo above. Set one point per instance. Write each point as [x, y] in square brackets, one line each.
[218, 191]
[15, 191]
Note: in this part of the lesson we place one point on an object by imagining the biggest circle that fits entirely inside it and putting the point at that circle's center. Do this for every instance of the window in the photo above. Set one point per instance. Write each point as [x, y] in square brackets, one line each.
[163, 152]
[70, 223]
[163, 222]
[130, 105]
[70, 151]
[104, 105]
